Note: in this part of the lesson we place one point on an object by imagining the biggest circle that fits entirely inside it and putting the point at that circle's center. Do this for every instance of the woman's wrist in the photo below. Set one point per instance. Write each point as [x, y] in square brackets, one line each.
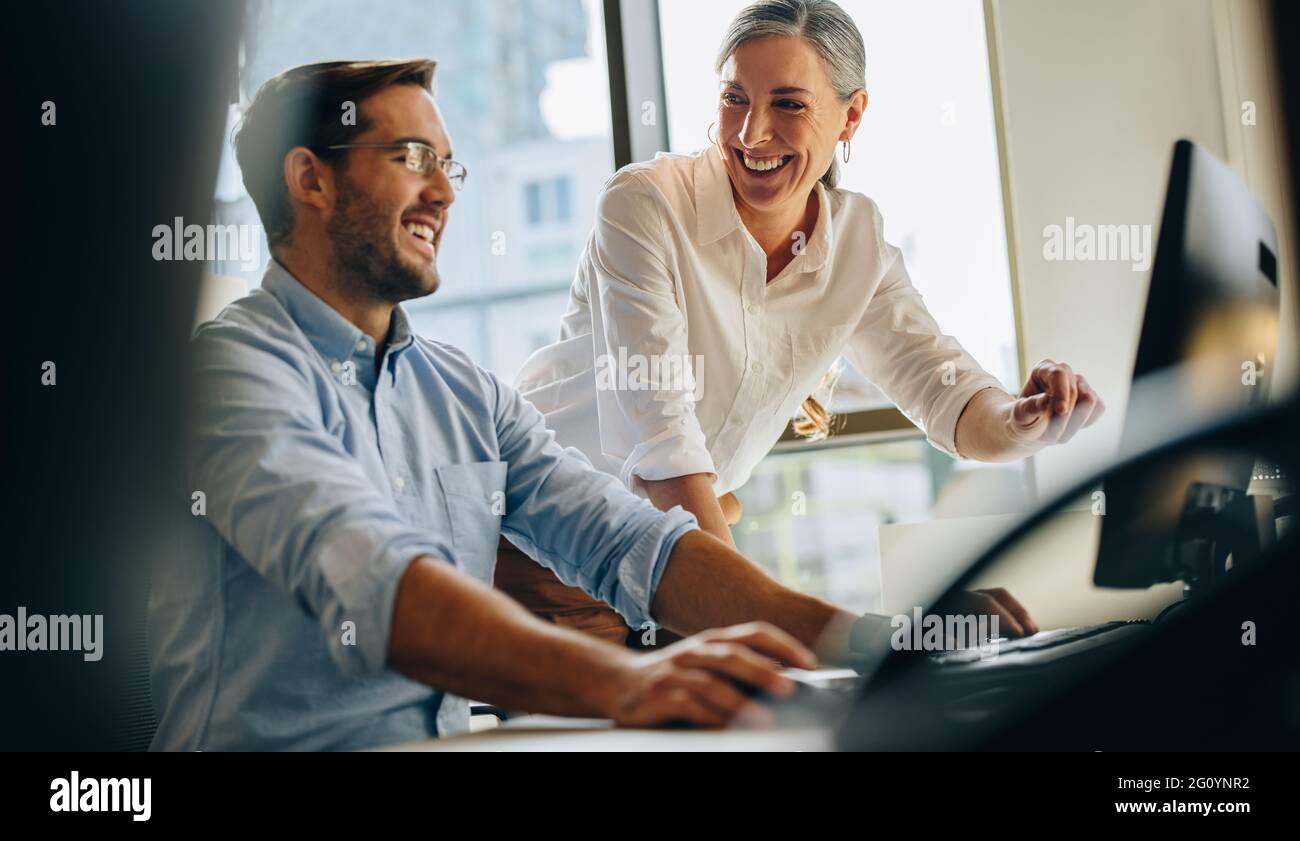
[1018, 436]
[987, 429]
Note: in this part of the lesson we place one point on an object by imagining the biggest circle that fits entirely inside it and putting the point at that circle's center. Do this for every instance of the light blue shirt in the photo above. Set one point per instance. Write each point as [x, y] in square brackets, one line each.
[322, 480]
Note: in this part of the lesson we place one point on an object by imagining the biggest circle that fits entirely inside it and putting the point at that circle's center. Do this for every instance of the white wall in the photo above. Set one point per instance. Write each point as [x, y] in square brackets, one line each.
[1257, 148]
[1092, 97]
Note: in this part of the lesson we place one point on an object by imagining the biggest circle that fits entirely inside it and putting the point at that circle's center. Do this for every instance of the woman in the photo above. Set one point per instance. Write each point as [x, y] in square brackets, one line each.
[746, 266]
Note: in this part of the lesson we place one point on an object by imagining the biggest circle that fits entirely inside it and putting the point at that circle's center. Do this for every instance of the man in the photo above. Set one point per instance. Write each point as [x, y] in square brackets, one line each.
[357, 479]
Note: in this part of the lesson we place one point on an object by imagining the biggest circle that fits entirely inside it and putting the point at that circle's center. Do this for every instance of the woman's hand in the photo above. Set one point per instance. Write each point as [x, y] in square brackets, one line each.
[1054, 404]
[730, 508]
[1052, 407]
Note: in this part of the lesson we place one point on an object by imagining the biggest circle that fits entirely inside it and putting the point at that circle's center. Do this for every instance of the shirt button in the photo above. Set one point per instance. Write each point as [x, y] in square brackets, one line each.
[336, 366]
[361, 345]
[399, 482]
[757, 367]
[753, 309]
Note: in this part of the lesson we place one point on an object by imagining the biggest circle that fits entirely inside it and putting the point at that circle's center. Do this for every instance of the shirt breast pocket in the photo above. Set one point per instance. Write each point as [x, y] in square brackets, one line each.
[475, 494]
[809, 355]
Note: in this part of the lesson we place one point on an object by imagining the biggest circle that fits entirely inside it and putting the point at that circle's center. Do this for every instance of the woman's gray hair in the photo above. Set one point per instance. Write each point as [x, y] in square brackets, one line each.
[824, 25]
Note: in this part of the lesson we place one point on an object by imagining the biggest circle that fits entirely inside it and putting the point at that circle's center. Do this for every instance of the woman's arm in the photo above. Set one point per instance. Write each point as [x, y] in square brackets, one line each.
[1052, 407]
[650, 424]
[899, 346]
[694, 493]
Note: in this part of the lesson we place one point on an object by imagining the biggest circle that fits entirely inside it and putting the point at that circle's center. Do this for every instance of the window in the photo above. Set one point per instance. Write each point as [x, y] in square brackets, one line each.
[810, 514]
[548, 201]
[524, 90]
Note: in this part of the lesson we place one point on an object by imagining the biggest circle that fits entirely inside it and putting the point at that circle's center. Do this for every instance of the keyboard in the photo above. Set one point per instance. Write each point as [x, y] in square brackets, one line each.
[1040, 641]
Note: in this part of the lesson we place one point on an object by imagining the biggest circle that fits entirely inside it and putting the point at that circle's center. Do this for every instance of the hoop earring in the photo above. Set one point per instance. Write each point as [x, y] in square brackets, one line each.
[713, 141]
[845, 154]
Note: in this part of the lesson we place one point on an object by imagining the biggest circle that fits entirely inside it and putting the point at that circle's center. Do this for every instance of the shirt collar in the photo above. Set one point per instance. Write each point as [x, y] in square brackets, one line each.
[716, 216]
[333, 336]
[715, 209]
[820, 245]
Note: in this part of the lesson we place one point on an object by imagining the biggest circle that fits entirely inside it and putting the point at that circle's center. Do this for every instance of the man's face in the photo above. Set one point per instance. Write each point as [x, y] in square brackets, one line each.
[380, 221]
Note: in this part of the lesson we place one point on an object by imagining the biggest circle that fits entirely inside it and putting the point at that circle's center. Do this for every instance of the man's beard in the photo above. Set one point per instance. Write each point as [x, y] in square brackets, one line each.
[367, 256]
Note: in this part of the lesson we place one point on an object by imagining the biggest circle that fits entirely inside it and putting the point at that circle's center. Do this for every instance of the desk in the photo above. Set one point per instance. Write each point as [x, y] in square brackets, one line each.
[551, 733]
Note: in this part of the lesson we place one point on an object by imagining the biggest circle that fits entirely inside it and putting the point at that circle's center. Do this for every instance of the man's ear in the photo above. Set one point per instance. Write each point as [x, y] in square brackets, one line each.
[853, 119]
[307, 177]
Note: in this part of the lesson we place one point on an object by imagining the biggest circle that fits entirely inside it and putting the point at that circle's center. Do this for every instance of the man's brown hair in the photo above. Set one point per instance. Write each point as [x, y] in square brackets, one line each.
[304, 106]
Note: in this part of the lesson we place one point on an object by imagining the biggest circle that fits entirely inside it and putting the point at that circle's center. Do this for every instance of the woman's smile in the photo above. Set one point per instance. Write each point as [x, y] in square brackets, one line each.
[761, 165]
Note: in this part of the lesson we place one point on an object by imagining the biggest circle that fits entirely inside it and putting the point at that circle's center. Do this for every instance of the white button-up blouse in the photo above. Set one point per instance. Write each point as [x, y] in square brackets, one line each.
[676, 356]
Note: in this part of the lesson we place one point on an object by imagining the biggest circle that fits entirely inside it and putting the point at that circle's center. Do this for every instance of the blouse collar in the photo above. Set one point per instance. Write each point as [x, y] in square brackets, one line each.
[716, 215]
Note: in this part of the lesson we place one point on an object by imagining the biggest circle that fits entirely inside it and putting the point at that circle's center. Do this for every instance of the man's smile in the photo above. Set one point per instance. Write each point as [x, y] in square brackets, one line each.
[423, 232]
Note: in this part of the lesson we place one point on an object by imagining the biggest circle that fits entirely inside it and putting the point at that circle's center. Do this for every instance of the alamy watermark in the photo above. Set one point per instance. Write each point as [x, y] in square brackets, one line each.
[209, 243]
[947, 632]
[108, 794]
[35, 632]
[1100, 243]
[625, 371]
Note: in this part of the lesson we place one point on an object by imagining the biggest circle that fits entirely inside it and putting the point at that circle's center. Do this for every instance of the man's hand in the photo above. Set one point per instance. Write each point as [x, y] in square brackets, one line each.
[1054, 404]
[708, 679]
[455, 633]
[1013, 619]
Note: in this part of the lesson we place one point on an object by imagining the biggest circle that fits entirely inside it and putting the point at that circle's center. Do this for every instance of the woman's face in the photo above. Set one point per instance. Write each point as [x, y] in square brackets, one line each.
[779, 120]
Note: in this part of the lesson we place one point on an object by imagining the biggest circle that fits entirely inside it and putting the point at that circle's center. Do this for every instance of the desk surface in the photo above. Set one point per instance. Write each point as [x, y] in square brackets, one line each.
[550, 733]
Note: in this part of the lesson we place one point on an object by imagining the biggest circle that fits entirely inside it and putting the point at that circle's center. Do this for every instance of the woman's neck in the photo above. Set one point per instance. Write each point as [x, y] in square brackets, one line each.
[775, 230]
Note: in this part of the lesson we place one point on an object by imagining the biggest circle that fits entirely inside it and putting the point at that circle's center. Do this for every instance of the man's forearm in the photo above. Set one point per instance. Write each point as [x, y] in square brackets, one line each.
[707, 584]
[464, 637]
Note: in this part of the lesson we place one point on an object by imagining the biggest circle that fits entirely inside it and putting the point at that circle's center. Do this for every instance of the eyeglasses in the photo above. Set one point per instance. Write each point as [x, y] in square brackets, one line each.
[420, 158]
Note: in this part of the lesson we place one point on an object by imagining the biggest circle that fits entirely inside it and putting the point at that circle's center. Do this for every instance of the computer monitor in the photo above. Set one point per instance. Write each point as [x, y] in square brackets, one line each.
[1207, 346]
[1211, 308]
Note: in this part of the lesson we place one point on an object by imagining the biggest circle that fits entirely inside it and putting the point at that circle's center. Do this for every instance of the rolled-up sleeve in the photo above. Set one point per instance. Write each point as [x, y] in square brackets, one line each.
[581, 523]
[649, 421]
[899, 346]
[291, 501]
